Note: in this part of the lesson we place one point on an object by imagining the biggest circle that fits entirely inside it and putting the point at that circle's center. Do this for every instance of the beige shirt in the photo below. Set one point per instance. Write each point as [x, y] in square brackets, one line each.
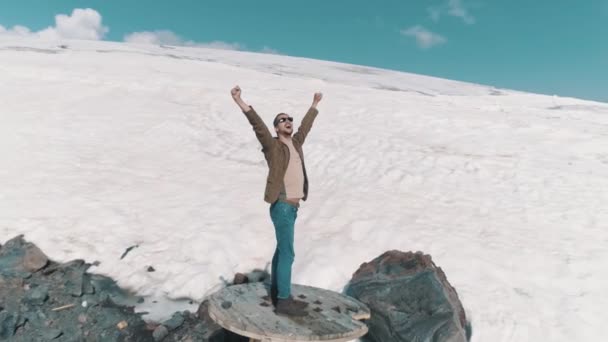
[294, 175]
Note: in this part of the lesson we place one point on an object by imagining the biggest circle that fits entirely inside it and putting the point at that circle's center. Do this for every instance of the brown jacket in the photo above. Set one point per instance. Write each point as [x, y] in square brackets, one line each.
[277, 153]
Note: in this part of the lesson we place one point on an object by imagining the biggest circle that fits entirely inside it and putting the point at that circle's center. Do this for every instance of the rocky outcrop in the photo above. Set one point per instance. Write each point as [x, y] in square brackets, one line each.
[410, 300]
[41, 300]
[20, 258]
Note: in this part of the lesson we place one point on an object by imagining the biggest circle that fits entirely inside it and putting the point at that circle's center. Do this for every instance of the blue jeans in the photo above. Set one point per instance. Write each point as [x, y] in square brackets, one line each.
[283, 217]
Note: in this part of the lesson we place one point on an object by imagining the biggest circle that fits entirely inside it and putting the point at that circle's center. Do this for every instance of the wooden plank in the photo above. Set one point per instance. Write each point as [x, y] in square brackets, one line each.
[332, 317]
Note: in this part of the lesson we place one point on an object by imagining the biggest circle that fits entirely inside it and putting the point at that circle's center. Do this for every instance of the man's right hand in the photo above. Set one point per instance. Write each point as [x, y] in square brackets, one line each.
[236, 92]
[236, 96]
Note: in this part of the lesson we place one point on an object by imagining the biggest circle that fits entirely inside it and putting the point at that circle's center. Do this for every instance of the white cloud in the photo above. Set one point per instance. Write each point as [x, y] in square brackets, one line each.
[269, 50]
[17, 30]
[454, 8]
[221, 45]
[457, 9]
[166, 37]
[87, 24]
[424, 38]
[81, 24]
[434, 13]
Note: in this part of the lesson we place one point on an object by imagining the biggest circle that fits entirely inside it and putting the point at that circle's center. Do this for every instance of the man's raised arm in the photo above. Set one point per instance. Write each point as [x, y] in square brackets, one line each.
[308, 119]
[259, 127]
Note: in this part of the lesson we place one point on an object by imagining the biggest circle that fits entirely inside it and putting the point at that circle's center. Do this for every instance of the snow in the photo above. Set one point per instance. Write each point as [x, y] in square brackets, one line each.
[109, 145]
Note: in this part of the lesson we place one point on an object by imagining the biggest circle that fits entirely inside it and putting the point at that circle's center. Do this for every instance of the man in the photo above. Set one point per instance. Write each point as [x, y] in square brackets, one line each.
[286, 185]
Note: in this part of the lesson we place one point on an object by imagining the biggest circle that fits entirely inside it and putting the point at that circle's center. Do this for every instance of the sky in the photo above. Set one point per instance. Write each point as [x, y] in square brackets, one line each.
[551, 47]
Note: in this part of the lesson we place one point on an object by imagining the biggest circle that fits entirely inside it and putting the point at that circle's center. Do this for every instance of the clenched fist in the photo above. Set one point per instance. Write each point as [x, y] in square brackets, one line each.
[236, 92]
[317, 98]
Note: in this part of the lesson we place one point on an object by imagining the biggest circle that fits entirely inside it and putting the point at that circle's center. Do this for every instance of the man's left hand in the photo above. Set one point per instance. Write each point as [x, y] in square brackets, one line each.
[317, 98]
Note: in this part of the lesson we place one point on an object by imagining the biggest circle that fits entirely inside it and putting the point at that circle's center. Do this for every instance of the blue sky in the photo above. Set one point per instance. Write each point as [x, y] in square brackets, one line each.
[551, 47]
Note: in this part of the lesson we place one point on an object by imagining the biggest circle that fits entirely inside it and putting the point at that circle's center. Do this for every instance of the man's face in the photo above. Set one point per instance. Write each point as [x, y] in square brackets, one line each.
[284, 125]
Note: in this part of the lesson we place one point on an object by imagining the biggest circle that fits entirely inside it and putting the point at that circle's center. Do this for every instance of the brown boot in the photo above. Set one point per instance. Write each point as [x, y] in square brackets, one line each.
[299, 303]
[273, 295]
[289, 307]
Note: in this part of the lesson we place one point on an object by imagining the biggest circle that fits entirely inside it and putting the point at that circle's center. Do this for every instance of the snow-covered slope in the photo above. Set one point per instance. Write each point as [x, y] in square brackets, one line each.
[106, 145]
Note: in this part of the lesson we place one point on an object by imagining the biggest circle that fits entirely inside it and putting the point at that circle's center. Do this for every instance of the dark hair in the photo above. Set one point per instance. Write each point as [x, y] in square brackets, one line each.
[275, 122]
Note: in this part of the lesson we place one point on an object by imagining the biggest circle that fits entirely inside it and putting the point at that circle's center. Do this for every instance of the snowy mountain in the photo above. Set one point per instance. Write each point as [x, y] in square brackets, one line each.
[107, 145]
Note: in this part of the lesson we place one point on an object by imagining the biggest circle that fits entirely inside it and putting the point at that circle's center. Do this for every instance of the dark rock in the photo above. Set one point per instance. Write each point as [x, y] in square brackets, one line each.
[21, 320]
[175, 321]
[160, 333]
[36, 319]
[151, 269]
[20, 258]
[410, 299]
[37, 295]
[34, 259]
[203, 312]
[26, 306]
[51, 334]
[127, 251]
[8, 324]
[202, 316]
[74, 281]
[240, 278]
[87, 287]
[106, 288]
[258, 275]
[195, 329]
[229, 336]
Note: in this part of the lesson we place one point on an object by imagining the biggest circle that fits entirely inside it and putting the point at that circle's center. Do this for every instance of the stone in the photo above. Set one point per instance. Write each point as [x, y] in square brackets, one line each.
[26, 306]
[87, 287]
[203, 312]
[240, 278]
[34, 259]
[160, 333]
[21, 258]
[175, 321]
[127, 251]
[82, 318]
[8, 324]
[37, 295]
[74, 277]
[51, 334]
[106, 288]
[202, 316]
[410, 299]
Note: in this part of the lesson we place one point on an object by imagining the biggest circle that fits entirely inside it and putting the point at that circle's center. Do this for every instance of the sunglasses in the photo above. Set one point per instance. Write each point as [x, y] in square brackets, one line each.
[283, 119]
